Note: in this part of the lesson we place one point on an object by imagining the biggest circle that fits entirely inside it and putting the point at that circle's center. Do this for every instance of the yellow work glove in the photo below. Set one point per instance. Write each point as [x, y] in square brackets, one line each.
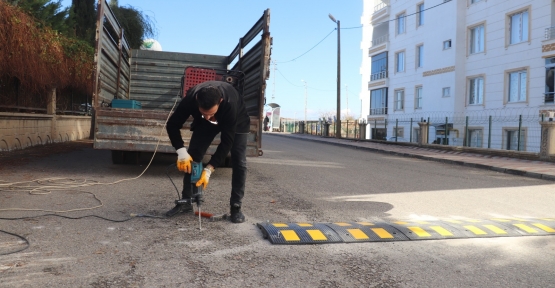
[184, 160]
[204, 177]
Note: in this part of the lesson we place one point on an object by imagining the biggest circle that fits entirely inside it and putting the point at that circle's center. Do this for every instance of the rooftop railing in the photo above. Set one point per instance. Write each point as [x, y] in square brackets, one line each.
[380, 6]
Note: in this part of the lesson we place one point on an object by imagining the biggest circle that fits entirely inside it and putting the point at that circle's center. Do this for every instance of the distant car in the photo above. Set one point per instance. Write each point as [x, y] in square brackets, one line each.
[86, 107]
[399, 139]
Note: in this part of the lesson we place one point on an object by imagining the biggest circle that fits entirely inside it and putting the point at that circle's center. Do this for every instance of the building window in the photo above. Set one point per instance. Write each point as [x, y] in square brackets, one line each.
[379, 67]
[517, 86]
[549, 80]
[474, 1]
[399, 99]
[476, 91]
[511, 139]
[401, 26]
[420, 15]
[476, 137]
[378, 101]
[418, 98]
[400, 62]
[419, 56]
[446, 92]
[519, 27]
[447, 44]
[399, 131]
[477, 39]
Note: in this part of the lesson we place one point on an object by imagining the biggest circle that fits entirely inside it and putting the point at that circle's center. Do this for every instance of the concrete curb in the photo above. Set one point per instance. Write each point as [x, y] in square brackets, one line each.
[518, 172]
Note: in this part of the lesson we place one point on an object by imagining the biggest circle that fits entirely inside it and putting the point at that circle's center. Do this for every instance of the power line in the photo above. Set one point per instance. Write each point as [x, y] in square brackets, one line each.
[302, 85]
[358, 27]
[325, 90]
[417, 12]
[287, 79]
[309, 49]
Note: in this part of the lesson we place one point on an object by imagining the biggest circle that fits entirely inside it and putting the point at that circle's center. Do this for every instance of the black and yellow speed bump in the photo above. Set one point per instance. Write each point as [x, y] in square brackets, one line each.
[366, 232]
[486, 228]
[421, 230]
[299, 233]
[352, 232]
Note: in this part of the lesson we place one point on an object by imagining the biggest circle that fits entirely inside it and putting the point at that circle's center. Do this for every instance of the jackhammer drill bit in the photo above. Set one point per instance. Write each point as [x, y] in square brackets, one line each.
[196, 172]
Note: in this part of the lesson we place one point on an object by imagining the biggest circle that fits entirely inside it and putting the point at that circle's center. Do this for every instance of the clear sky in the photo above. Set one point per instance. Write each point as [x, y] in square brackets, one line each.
[296, 26]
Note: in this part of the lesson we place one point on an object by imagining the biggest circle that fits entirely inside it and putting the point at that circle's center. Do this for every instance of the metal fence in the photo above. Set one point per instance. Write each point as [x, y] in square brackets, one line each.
[506, 129]
[516, 129]
[349, 128]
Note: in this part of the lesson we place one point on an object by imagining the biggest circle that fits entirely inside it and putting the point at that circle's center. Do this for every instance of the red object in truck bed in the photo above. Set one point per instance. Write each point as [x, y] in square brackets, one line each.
[196, 75]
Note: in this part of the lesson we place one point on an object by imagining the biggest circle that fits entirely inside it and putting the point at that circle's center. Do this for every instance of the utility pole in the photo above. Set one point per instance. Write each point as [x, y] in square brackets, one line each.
[338, 122]
[347, 97]
[305, 101]
[274, 88]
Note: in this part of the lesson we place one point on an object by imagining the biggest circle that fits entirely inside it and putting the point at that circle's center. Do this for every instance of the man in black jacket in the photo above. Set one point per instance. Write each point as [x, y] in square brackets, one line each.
[216, 107]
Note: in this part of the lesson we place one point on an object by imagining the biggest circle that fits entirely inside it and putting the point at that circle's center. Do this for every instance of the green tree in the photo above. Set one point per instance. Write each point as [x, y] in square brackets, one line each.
[135, 24]
[46, 12]
[82, 20]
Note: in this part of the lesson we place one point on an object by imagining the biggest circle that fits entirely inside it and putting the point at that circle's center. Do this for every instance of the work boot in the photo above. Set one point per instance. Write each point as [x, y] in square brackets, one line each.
[181, 206]
[236, 214]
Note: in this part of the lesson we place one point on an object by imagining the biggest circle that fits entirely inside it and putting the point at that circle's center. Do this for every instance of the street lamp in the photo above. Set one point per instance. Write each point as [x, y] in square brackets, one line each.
[338, 122]
[305, 100]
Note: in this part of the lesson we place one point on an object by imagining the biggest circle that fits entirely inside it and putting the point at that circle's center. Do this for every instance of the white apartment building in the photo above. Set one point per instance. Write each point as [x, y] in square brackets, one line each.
[480, 68]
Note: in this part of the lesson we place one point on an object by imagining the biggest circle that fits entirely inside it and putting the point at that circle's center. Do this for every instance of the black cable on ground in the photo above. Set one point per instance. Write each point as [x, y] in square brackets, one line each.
[67, 217]
[168, 174]
[27, 244]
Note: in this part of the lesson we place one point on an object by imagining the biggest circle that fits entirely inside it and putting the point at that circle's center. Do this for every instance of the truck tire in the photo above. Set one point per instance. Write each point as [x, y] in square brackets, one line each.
[117, 157]
[131, 157]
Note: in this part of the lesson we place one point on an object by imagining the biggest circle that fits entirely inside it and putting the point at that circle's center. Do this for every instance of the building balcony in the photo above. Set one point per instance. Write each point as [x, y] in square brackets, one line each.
[548, 43]
[378, 76]
[378, 80]
[548, 98]
[378, 111]
[379, 40]
[549, 33]
[379, 45]
[381, 11]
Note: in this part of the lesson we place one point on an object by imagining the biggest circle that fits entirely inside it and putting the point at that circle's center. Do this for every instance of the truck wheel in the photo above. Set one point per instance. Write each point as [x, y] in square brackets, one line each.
[131, 157]
[117, 157]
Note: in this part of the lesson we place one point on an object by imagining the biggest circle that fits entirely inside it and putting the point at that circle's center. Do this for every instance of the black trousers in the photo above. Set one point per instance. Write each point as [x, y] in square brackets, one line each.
[200, 141]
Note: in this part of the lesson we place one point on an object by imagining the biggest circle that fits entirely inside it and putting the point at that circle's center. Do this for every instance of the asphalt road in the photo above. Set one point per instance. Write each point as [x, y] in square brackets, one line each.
[295, 181]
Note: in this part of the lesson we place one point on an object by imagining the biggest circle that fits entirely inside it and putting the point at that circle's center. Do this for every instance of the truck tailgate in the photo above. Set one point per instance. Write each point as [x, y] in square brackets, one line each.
[140, 130]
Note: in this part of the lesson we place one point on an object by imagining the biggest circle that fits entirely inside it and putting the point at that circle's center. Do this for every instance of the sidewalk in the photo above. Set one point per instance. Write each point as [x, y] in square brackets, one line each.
[527, 168]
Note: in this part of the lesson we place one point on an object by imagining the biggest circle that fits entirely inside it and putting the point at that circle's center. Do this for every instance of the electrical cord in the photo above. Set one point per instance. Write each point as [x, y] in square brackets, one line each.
[45, 186]
[48, 185]
[67, 217]
[27, 244]
[171, 180]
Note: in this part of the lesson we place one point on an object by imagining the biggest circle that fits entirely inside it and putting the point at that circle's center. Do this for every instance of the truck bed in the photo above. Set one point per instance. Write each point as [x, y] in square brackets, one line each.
[140, 130]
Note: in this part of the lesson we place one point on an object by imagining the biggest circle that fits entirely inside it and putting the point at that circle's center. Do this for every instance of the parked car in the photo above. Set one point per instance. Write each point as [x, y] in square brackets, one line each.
[85, 107]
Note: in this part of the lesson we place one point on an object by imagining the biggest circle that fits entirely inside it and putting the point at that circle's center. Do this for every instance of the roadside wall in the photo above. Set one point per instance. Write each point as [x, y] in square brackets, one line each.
[22, 130]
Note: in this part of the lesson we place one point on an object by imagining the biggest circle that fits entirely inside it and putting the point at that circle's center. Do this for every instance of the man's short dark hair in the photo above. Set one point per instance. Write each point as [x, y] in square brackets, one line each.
[208, 96]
